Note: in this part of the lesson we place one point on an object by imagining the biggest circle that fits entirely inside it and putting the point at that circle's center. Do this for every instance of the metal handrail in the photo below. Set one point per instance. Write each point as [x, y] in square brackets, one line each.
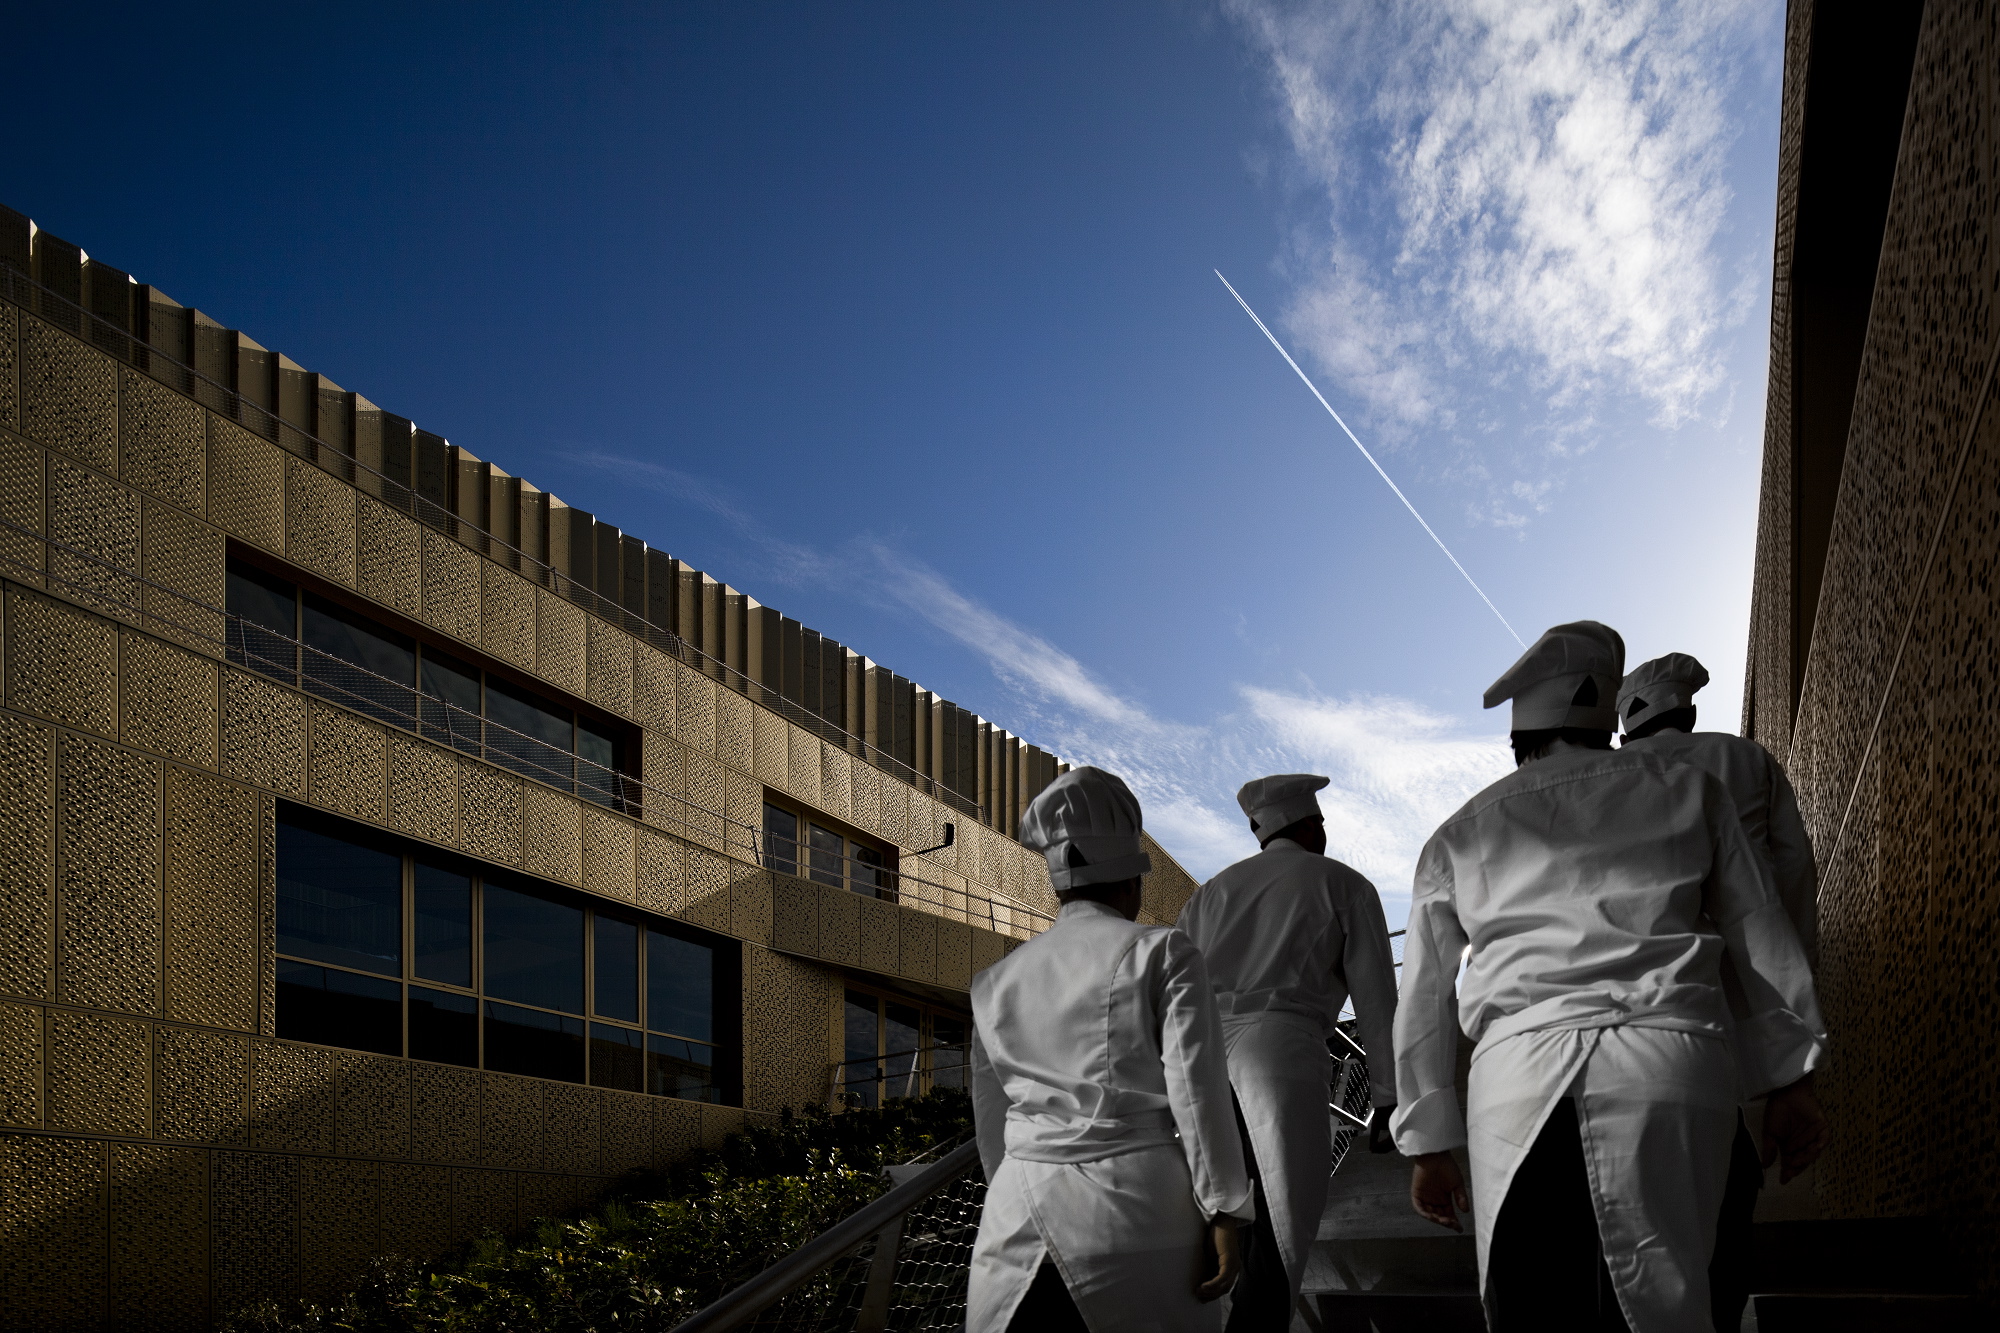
[713, 825]
[740, 1306]
[23, 291]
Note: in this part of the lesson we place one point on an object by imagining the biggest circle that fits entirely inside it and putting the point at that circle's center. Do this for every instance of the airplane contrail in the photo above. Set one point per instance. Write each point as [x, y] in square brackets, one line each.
[1365, 454]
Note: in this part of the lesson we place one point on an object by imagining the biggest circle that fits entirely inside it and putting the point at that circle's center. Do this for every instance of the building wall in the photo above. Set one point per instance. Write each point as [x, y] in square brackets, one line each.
[1891, 743]
[164, 1154]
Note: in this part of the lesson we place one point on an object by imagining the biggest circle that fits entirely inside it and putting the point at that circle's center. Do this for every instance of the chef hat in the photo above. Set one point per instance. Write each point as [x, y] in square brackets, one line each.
[1281, 800]
[1659, 685]
[1087, 823]
[1569, 678]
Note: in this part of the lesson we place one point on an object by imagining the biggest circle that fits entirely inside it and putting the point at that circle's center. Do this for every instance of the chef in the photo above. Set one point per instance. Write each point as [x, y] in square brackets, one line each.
[1590, 897]
[1101, 1099]
[1656, 706]
[1288, 935]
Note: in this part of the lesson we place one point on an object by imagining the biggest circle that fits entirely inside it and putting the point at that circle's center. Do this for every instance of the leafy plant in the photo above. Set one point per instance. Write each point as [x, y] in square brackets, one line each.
[668, 1243]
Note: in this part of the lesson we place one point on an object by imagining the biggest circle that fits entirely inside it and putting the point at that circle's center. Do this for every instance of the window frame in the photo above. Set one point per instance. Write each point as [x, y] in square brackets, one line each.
[854, 840]
[725, 955]
[925, 1073]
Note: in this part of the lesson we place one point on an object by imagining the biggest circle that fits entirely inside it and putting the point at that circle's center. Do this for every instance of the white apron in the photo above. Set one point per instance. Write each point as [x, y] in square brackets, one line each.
[1288, 936]
[1591, 897]
[1101, 1101]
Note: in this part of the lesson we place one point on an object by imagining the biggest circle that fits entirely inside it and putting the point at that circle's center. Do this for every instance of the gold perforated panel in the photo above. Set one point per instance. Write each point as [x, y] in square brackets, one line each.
[718, 1122]
[340, 1223]
[159, 1239]
[212, 901]
[785, 1008]
[201, 1086]
[694, 700]
[867, 798]
[263, 733]
[559, 635]
[608, 673]
[676, 1129]
[27, 858]
[319, 522]
[291, 1096]
[625, 1133]
[100, 1074]
[245, 485]
[69, 397]
[569, 1128]
[665, 763]
[21, 554]
[896, 814]
[733, 730]
[987, 948]
[836, 769]
[510, 1121]
[52, 1233]
[416, 1210]
[552, 834]
[662, 884]
[507, 616]
[482, 1201]
[170, 700]
[423, 789]
[709, 898]
[705, 800]
[880, 951]
[607, 854]
[917, 945]
[744, 798]
[749, 903]
[387, 556]
[771, 748]
[544, 1195]
[9, 399]
[165, 449]
[267, 915]
[184, 557]
[839, 926]
[61, 663]
[489, 813]
[350, 764]
[652, 690]
[954, 955]
[108, 888]
[254, 1228]
[802, 763]
[794, 915]
[444, 1113]
[21, 1065]
[371, 1115]
[450, 587]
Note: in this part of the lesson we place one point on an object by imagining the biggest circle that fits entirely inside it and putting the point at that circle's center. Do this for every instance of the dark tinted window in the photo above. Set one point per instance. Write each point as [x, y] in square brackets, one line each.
[617, 1057]
[862, 1021]
[334, 1008]
[598, 763]
[781, 839]
[902, 1033]
[339, 902]
[680, 986]
[869, 876]
[452, 701]
[948, 1057]
[527, 1041]
[534, 950]
[264, 612]
[444, 1027]
[616, 967]
[829, 865]
[357, 664]
[533, 736]
[676, 1068]
[442, 950]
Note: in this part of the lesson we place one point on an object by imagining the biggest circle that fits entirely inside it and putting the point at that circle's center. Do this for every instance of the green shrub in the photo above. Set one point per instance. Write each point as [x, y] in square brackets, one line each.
[669, 1243]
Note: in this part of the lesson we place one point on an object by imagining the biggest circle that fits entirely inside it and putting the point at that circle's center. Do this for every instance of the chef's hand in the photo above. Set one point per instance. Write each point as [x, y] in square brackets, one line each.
[1228, 1260]
[1795, 1128]
[1436, 1187]
[1378, 1129]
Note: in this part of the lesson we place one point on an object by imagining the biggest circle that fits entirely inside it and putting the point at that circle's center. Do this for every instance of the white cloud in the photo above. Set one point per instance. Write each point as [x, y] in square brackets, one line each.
[1510, 188]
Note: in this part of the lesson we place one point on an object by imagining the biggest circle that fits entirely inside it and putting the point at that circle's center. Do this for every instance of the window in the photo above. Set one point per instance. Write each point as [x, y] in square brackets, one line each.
[346, 657]
[399, 950]
[824, 855]
[896, 1047]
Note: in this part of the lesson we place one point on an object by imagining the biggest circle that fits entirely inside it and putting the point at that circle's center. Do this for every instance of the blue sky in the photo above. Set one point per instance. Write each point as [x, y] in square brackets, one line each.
[903, 319]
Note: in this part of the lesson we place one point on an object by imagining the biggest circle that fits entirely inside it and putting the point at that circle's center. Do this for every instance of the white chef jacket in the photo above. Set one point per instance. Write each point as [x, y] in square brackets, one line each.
[1769, 811]
[1591, 896]
[1287, 935]
[1101, 1101]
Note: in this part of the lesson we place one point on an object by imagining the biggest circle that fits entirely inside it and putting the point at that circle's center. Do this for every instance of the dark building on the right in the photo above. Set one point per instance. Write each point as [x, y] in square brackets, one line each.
[1874, 674]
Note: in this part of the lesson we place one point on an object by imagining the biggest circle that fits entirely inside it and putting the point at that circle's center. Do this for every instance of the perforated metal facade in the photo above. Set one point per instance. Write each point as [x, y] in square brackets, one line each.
[168, 1155]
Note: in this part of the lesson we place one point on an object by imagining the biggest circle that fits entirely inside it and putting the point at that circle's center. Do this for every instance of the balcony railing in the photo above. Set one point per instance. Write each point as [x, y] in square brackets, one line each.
[65, 314]
[125, 594]
[870, 1080]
